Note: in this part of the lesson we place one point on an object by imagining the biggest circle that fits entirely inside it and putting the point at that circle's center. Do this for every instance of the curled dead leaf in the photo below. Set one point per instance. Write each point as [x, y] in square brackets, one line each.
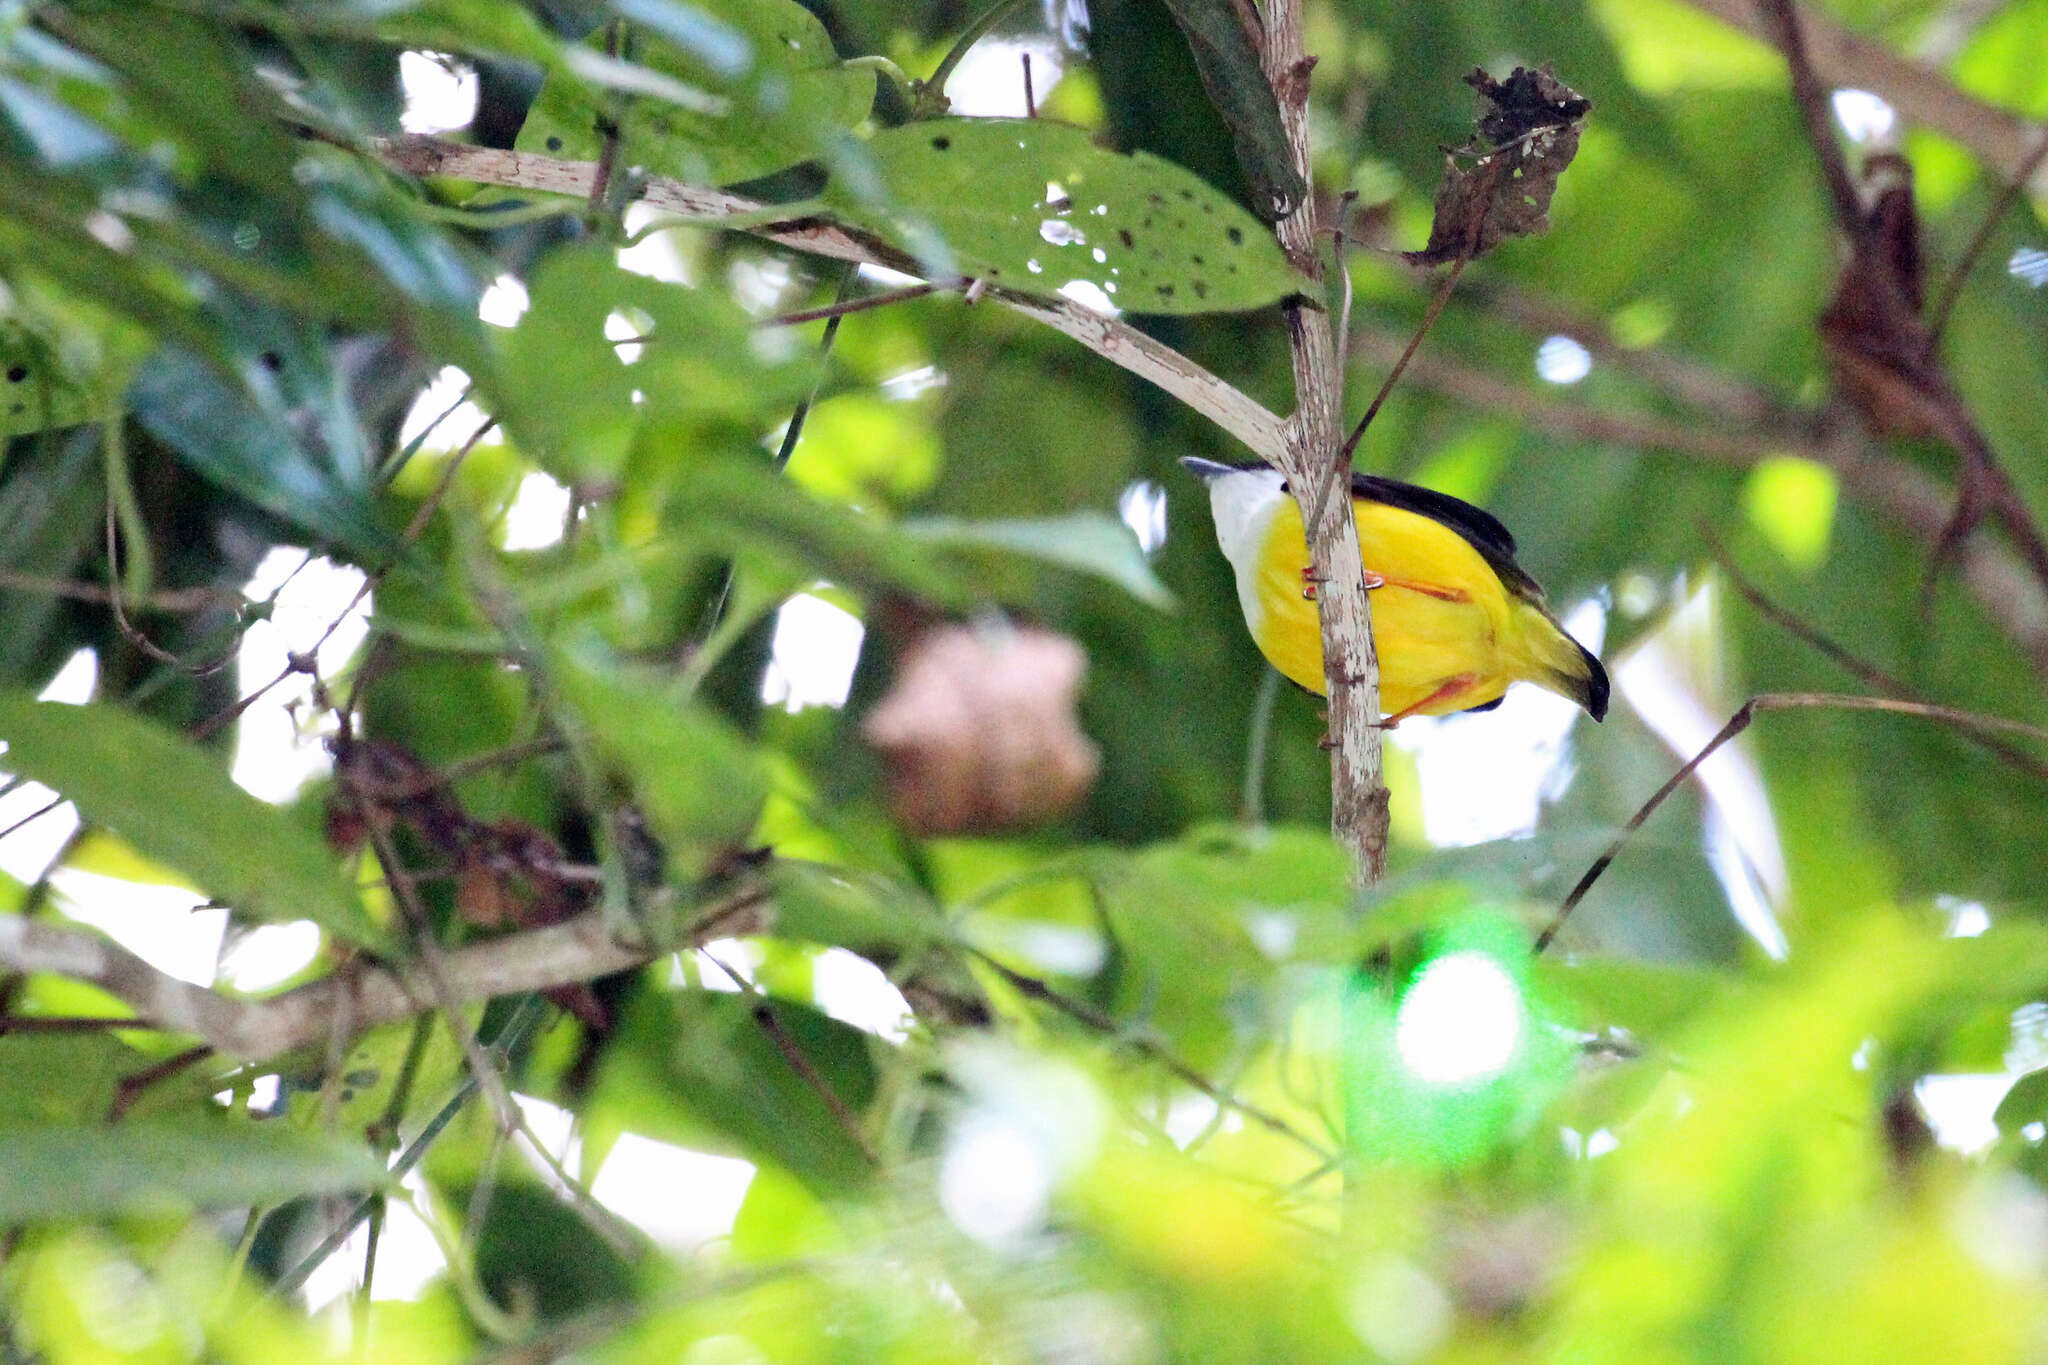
[1527, 133]
[979, 732]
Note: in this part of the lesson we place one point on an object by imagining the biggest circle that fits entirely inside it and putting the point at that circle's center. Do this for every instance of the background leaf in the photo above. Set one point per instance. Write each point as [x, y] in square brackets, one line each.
[173, 802]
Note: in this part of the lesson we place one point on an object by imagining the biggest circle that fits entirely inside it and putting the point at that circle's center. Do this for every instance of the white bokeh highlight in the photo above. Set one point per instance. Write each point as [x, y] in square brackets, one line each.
[1461, 1022]
[812, 655]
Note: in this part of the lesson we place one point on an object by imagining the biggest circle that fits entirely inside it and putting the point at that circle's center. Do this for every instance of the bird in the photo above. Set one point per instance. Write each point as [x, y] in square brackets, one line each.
[1455, 619]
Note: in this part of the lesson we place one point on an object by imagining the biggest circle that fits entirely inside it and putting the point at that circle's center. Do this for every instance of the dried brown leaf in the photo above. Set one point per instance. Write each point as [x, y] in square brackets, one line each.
[1501, 184]
[979, 732]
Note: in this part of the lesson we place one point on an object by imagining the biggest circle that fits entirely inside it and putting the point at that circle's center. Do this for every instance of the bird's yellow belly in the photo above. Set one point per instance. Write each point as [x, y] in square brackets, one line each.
[1423, 641]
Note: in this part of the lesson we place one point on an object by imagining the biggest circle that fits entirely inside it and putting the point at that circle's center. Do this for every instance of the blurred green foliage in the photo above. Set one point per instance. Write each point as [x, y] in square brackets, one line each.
[1148, 1080]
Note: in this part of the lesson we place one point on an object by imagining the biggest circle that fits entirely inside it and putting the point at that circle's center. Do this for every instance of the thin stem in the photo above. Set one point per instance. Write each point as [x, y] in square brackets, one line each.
[1740, 721]
[169, 601]
[1253, 809]
[299, 663]
[931, 98]
[1863, 670]
[2008, 195]
[1032, 988]
[846, 305]
[508, 1039]
[849, 275]
[792, 1053]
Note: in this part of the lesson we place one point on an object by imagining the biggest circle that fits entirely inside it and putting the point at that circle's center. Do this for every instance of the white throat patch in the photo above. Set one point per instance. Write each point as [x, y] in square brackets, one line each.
[1243, 505]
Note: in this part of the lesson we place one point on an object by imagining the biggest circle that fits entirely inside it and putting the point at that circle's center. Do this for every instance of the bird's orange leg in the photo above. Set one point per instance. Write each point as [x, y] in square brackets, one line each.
[1310, 579]
[1451, 687]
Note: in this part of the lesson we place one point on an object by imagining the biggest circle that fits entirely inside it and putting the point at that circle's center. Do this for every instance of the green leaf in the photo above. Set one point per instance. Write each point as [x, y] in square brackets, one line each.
[720, 91]
[61, 1078]
[841, 907]
[698, 781]
[1034, 206]
[1237, 85]
[155, 1167]
[35, 393]
[700, 1068]
[1086, 542]
[172, 801]
[566, 387]
[2025, 1103]
[249, 448]
[741, 505]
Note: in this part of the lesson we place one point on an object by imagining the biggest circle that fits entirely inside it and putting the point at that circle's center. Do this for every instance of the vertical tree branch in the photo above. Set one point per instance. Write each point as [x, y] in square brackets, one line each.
[1351, 669]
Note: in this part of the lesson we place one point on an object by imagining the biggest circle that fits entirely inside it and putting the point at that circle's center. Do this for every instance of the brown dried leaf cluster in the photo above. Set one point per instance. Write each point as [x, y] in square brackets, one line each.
[1877, 346]
[979, 732]
[509, 874]
[1499, 186]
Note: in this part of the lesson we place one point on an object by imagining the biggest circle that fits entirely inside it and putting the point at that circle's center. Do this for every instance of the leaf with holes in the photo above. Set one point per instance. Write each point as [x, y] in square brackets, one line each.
[174, 802]
[1037, 207]
[714, 92]
[35, 395]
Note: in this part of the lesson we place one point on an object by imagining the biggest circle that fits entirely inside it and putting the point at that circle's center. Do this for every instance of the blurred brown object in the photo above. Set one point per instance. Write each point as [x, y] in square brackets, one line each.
[979, 732]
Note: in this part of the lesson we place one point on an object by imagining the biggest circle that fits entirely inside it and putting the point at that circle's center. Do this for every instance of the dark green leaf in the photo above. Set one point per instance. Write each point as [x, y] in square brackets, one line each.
[1228, 59]
[2025, 1103]
[61, 1078]
[247, 447]
[1035, 206]
[173, 802]
[699, 1067]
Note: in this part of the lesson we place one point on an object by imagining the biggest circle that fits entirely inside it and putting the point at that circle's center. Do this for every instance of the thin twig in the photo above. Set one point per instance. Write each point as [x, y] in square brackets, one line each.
[849, 274]
[508, 1038]
[1922, 94]
[133, 1088]
[31, 817]
[838, 310]
[799, 1062]
[1812, 101]
[37, 1023]
[1892, 488]
[134, 636]
[1252, 810]
[1334, 475]
[1740, 721]
[2008, 195]
[1856, 666]
[300, 662]
[169, 601]
[931, 94]
[1032, 988]
[1030, 97]
[434, 966]
[1343, 268]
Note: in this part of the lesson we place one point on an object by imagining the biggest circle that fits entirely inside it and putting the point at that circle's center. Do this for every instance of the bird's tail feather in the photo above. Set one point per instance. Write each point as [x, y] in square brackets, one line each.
[1555, 661]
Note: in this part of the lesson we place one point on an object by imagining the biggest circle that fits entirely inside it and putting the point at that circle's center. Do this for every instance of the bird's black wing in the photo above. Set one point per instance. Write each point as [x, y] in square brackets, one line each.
[1473, 523]
[1479, 528]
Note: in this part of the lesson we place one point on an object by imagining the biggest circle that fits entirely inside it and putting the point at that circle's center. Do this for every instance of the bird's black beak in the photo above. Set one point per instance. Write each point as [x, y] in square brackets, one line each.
[1206, 470]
